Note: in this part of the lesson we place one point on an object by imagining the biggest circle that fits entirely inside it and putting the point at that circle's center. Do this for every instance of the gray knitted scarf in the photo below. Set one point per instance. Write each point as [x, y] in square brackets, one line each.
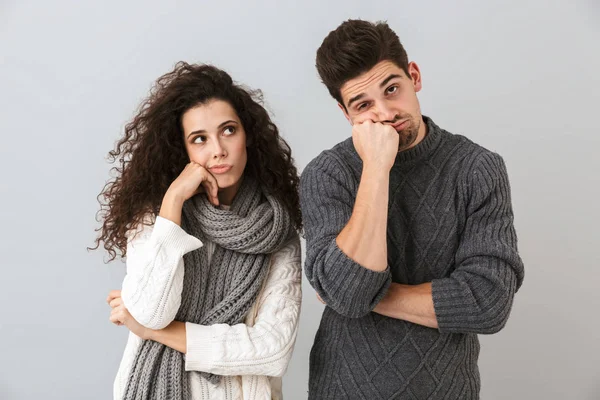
[221, 291]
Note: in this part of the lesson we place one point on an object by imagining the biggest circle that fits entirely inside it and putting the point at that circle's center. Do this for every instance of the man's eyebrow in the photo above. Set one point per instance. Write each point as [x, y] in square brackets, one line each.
[382, 84]
[389, 78]
[355, 98]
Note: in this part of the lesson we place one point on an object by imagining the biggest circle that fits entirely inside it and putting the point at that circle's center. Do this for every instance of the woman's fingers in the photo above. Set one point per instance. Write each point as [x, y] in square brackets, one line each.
[116, 302]
[112, 295]
[212, 188]
[320, 299]
[115, 317]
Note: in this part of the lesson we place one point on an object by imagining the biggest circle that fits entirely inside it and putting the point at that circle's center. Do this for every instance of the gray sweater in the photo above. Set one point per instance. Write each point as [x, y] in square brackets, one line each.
[450, 222]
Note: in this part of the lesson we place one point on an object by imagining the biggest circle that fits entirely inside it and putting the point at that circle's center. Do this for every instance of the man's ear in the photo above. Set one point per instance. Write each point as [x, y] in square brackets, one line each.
[415, 76]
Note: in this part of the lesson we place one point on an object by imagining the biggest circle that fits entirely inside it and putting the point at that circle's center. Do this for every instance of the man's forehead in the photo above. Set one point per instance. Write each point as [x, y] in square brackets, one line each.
[364, 81]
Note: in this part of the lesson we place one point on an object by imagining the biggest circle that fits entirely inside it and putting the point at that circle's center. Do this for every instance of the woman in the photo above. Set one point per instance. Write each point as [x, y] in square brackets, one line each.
[205, 207]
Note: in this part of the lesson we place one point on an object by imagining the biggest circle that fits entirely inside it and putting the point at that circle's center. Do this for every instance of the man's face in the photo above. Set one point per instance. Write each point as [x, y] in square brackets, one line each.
[386, 94]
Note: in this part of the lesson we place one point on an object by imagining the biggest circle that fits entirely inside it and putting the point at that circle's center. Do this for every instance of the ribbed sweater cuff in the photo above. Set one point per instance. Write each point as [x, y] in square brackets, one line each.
[199, 350]
[359, 289]
[170, 234]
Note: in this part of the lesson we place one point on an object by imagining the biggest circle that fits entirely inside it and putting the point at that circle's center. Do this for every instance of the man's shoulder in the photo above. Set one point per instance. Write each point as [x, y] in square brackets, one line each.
[470, 152]
[476, 165]
[342, 156]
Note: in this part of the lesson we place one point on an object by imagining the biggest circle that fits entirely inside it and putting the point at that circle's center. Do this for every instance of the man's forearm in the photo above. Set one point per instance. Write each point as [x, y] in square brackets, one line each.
[413, 303]
[363, 239]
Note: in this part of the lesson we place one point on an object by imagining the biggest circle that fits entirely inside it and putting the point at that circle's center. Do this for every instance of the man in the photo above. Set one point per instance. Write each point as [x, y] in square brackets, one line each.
[410, 237]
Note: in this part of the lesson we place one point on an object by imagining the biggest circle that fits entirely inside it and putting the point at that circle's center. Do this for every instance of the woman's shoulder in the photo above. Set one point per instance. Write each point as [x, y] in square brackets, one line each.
[286, 266]
[141, 229]
[290, 252]
[285, 272]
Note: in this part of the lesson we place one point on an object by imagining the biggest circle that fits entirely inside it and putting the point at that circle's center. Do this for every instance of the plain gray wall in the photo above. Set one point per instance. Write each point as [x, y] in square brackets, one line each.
[518, 77]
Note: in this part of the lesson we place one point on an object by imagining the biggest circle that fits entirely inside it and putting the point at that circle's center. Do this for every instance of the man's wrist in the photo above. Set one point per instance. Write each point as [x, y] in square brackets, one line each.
[376, 169]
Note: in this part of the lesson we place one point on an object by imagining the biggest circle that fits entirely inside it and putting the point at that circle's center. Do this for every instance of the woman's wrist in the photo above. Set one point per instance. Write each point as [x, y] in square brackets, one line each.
[149, 334]
[173, 336]
[171, 207]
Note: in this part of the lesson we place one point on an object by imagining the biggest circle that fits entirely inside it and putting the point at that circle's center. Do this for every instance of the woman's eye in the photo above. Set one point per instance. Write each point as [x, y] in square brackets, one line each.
[229, 130]
[199, 139]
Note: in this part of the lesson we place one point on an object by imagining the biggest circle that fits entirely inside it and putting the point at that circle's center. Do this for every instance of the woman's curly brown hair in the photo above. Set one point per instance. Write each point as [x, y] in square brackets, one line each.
[152, 154]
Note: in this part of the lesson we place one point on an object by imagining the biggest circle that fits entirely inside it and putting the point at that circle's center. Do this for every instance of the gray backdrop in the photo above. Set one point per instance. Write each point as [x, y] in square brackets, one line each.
[519, 77]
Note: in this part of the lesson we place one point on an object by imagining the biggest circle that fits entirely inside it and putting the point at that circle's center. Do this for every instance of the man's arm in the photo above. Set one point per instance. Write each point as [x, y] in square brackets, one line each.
[413, 303]
[346, 260]
[364, 239]
[478, 295]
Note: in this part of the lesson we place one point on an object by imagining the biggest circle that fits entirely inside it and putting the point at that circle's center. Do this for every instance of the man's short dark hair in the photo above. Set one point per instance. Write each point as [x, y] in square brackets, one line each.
[355, 47]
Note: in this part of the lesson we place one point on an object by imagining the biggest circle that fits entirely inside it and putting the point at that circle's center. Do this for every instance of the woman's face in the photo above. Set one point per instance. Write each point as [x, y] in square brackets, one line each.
[215, 138]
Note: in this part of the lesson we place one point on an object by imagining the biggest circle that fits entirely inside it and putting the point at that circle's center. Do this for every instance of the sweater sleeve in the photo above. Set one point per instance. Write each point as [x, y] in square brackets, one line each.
[264, 347]
[327, 203]
[477, 297]
[152, 287]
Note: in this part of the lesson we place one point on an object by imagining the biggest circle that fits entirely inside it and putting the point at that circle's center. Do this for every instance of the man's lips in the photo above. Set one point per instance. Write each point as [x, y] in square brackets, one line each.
[401, 125]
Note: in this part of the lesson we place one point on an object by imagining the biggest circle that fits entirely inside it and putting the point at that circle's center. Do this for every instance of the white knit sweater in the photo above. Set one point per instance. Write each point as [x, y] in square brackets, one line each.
[253, 356]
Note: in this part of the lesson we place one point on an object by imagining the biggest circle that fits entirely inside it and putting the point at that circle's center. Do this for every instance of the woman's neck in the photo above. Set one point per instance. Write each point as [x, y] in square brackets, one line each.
[227, 195]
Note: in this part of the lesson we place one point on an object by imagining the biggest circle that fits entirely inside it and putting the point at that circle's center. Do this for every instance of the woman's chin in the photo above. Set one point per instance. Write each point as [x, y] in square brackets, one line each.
[227, 182]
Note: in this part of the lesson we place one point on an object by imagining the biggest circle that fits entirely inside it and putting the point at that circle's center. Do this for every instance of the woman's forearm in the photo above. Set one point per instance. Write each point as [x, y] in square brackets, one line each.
[173, 336]
[171, 207]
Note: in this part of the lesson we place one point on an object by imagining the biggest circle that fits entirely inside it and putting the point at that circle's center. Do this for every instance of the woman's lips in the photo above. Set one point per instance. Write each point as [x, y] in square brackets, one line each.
[220, 169]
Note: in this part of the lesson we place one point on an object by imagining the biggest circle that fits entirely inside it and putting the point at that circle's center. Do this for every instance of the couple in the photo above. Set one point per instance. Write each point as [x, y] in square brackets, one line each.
[409, 232]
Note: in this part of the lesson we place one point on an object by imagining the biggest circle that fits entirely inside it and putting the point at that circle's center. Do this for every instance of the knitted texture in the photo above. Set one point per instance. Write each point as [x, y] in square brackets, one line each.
[450, 222]
[221, 291]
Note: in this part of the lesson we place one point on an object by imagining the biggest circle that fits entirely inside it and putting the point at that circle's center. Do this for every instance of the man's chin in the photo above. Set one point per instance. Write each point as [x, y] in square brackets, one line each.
[407, 139]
